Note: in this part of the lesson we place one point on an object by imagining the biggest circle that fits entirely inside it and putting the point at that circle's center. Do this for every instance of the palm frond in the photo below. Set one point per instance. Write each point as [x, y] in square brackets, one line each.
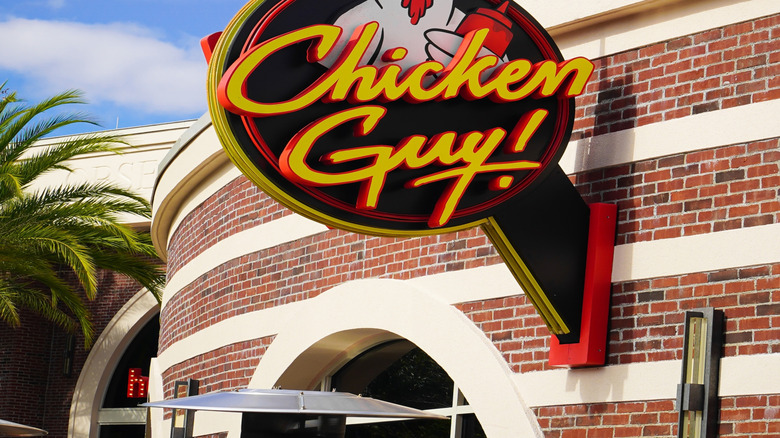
[9, 312]
[35, 130]
[55, 157]
[40, 303]
[41, 289]
[71, 229]
[8, 99]
[150, 274]
[21, 131]
[10, 183]
[51, 243]
[55, 205]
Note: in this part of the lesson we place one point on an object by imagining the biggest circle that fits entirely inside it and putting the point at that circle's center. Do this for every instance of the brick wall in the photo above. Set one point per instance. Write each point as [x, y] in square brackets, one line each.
[716, 69]
[753, 416]
[305, 268]
[24, 353]
[646, 318]
[240, 205]
[757, 416]
[694, 193]
[606, 420]
[224, 369]
[31, 361]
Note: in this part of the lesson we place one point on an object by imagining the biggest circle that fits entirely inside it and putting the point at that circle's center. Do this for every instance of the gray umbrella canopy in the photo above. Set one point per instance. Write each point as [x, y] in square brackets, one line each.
[279, 401]
[8, 428]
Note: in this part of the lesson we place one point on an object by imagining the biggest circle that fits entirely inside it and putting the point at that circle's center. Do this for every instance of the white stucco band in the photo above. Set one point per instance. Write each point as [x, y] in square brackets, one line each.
[196, 165]
[644, 381]
[698, 253]
[708, 130]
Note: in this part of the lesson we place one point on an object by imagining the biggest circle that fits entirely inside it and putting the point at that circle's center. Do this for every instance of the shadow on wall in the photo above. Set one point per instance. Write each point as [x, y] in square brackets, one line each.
[614, 108]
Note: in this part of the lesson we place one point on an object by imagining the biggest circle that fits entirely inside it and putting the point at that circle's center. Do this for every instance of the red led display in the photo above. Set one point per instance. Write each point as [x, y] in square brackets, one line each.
[137, 385]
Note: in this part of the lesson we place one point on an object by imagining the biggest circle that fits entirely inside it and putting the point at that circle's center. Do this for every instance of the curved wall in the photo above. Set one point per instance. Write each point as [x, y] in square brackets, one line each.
[676, 128]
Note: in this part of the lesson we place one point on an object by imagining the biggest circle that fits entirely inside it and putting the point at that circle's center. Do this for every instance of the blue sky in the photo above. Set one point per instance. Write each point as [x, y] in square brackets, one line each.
[137, 61]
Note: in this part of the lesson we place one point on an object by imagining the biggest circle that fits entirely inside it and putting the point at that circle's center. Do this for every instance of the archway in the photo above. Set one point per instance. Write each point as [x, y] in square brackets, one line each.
[338, 325]
[102, 360]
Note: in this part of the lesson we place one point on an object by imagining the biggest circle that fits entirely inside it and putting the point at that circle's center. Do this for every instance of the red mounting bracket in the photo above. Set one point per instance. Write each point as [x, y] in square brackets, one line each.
[207, 44]
[592, 348]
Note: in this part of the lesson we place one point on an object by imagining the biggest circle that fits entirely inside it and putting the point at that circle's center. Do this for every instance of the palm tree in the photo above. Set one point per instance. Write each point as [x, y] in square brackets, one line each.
[51, 234]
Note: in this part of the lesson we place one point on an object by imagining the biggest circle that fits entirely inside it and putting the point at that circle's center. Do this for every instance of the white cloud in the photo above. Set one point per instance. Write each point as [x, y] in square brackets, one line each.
[123, 64]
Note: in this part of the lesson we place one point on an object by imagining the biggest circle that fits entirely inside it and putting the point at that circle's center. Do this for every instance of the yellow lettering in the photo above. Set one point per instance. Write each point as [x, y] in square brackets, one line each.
[465, 69]
[346, 80]
[293, 165]
[469, 153]
[474, 149]
[547, 78]
[231, 90]
[508, 74]
[463, 157]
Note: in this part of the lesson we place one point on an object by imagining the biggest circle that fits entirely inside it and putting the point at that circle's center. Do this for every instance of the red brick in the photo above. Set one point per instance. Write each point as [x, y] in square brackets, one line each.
[735, 415]
[750, 427]
[721, 69]
[628, 431]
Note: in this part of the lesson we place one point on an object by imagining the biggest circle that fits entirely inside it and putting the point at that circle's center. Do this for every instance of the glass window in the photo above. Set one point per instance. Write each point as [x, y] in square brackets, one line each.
[400, 372]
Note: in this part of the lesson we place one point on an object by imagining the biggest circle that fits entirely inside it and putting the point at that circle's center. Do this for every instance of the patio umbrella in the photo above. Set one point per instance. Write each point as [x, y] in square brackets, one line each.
[279, 413]
[8, 428]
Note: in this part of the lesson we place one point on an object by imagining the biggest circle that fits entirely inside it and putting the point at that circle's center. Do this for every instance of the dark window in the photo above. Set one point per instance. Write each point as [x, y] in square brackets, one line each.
[137, 355]
[123, 431]
[400, 372]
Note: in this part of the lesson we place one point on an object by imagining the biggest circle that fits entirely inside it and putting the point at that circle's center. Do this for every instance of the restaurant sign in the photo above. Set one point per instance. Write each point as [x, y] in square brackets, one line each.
[410, 118]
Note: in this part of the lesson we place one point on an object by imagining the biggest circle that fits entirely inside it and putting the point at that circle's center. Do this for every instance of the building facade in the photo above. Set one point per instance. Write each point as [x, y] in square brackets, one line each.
[678, 127]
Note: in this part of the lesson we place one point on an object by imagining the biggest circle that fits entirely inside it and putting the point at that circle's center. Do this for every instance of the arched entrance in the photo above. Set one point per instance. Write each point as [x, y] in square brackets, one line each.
[348, 320]
[99, 368]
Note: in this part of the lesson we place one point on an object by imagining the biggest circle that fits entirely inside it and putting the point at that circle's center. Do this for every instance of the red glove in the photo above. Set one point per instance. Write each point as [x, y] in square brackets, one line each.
[416, 8]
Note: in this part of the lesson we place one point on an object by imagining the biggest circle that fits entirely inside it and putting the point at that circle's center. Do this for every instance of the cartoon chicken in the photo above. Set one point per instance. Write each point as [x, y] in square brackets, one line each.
[428, 29]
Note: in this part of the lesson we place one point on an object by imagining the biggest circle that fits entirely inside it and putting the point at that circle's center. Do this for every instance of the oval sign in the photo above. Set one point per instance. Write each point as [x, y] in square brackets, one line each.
[402, 117]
